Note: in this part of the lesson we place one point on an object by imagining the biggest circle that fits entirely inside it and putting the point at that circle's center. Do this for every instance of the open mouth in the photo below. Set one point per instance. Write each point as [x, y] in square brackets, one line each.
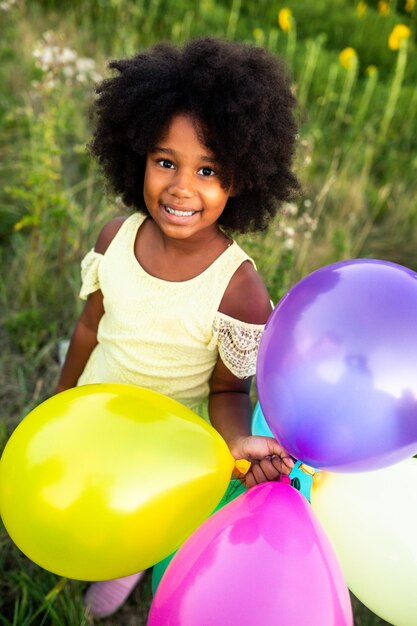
[178, 213]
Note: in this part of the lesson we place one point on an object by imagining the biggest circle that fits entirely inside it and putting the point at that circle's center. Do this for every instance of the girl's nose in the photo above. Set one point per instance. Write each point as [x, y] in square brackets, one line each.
[181, 186]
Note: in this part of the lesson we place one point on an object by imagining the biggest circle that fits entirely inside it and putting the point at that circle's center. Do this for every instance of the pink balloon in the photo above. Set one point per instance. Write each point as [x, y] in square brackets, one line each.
[262, 559]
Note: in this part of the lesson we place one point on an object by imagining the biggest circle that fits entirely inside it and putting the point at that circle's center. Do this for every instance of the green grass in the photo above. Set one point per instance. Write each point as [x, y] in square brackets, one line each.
[31, 596]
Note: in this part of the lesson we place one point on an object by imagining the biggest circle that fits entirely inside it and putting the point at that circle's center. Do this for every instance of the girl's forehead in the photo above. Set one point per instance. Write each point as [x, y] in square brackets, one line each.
[184, 129]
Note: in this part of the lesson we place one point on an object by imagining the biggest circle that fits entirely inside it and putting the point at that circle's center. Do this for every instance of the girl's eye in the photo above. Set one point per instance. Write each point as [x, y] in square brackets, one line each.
[165, 163]
[206, 171]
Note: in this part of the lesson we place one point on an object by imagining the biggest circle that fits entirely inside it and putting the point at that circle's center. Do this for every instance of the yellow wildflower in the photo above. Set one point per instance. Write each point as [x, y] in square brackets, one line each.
[285, 20]
[383, 8]
[361, 8]
[348, 57]
[400, 33]
[25, 221]
[409, 5]
[19, 225]
[258, 33]
[371, 70]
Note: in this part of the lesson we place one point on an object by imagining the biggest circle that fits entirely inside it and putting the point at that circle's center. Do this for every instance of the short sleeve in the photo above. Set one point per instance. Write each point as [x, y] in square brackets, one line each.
[237, 343]
[89, 273]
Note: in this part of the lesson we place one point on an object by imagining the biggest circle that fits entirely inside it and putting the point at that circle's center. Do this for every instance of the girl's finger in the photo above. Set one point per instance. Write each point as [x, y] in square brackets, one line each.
[283, 464]
[271, 472]
[258, 473]
[250, 480]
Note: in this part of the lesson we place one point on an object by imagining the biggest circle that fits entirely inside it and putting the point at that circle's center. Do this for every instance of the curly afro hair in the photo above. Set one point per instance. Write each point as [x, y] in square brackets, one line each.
[239, 96]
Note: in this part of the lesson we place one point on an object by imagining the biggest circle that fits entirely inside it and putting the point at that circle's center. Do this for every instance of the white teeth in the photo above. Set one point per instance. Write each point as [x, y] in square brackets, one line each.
[179, 213]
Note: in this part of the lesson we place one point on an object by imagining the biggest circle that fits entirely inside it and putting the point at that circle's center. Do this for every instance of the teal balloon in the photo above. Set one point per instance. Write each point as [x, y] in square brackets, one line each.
[299, 479]
[235, 489]
[259, 425]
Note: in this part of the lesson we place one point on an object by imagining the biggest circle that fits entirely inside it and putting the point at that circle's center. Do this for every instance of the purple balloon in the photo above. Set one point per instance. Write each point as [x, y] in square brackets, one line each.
[337, 367]
[261, 559]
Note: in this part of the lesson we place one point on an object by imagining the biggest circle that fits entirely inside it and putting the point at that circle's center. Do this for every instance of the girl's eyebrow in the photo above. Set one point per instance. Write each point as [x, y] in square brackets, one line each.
[202, 157]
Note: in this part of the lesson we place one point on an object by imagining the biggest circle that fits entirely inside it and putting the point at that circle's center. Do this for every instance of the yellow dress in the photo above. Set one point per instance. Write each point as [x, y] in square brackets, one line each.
[164, 335]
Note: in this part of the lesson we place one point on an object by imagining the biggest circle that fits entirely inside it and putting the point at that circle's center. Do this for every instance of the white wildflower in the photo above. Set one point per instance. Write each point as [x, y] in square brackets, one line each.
[49, 36]
[44, 57]
[307, 223]
[58, 62]
[67, 56]
[50, 83]
[290, 208]
[84, 64]
[311, 222]
[96, 77]
[68, 71]
[6, 5]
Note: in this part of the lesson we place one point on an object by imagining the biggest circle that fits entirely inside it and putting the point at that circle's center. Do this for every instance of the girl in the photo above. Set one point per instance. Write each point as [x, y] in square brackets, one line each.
[199, 141]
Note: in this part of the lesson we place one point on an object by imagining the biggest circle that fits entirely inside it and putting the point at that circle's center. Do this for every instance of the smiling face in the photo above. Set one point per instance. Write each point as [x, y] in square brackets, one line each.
[182, 188]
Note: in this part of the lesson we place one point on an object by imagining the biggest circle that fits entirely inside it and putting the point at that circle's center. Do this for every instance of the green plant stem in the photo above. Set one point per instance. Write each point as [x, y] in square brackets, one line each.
[273, 39]
[233, 19]
[329, 91]
[347, 90]
[365, 100]
[291, 44]
[312, 54]
[394, 92]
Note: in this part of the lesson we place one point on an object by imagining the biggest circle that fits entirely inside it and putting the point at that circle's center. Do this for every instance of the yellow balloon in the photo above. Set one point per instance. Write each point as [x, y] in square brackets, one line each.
[371, 520]
[102, 481]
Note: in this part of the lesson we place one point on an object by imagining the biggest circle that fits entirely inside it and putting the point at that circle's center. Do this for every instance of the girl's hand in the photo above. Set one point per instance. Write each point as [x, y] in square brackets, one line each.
[269, 460]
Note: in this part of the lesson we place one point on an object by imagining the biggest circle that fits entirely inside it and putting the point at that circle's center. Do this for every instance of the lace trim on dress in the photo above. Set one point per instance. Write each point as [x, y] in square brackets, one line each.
[89, 273]
[238, 344]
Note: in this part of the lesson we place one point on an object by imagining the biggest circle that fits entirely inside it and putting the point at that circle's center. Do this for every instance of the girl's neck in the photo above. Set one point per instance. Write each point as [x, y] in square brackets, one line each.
[197, 245]
[175, 259]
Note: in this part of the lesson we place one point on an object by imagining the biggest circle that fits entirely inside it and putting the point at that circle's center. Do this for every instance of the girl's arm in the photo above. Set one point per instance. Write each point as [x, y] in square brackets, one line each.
[230, 408]
[230, 412]
[84, 337]
[83, 342]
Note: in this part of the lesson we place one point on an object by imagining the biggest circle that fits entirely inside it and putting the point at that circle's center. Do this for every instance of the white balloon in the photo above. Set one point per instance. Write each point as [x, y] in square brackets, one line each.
[371, 520]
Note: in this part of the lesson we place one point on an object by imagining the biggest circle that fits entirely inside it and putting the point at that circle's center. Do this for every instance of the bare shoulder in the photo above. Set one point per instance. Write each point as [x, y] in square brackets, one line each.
[108, 233]
[246, 297]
